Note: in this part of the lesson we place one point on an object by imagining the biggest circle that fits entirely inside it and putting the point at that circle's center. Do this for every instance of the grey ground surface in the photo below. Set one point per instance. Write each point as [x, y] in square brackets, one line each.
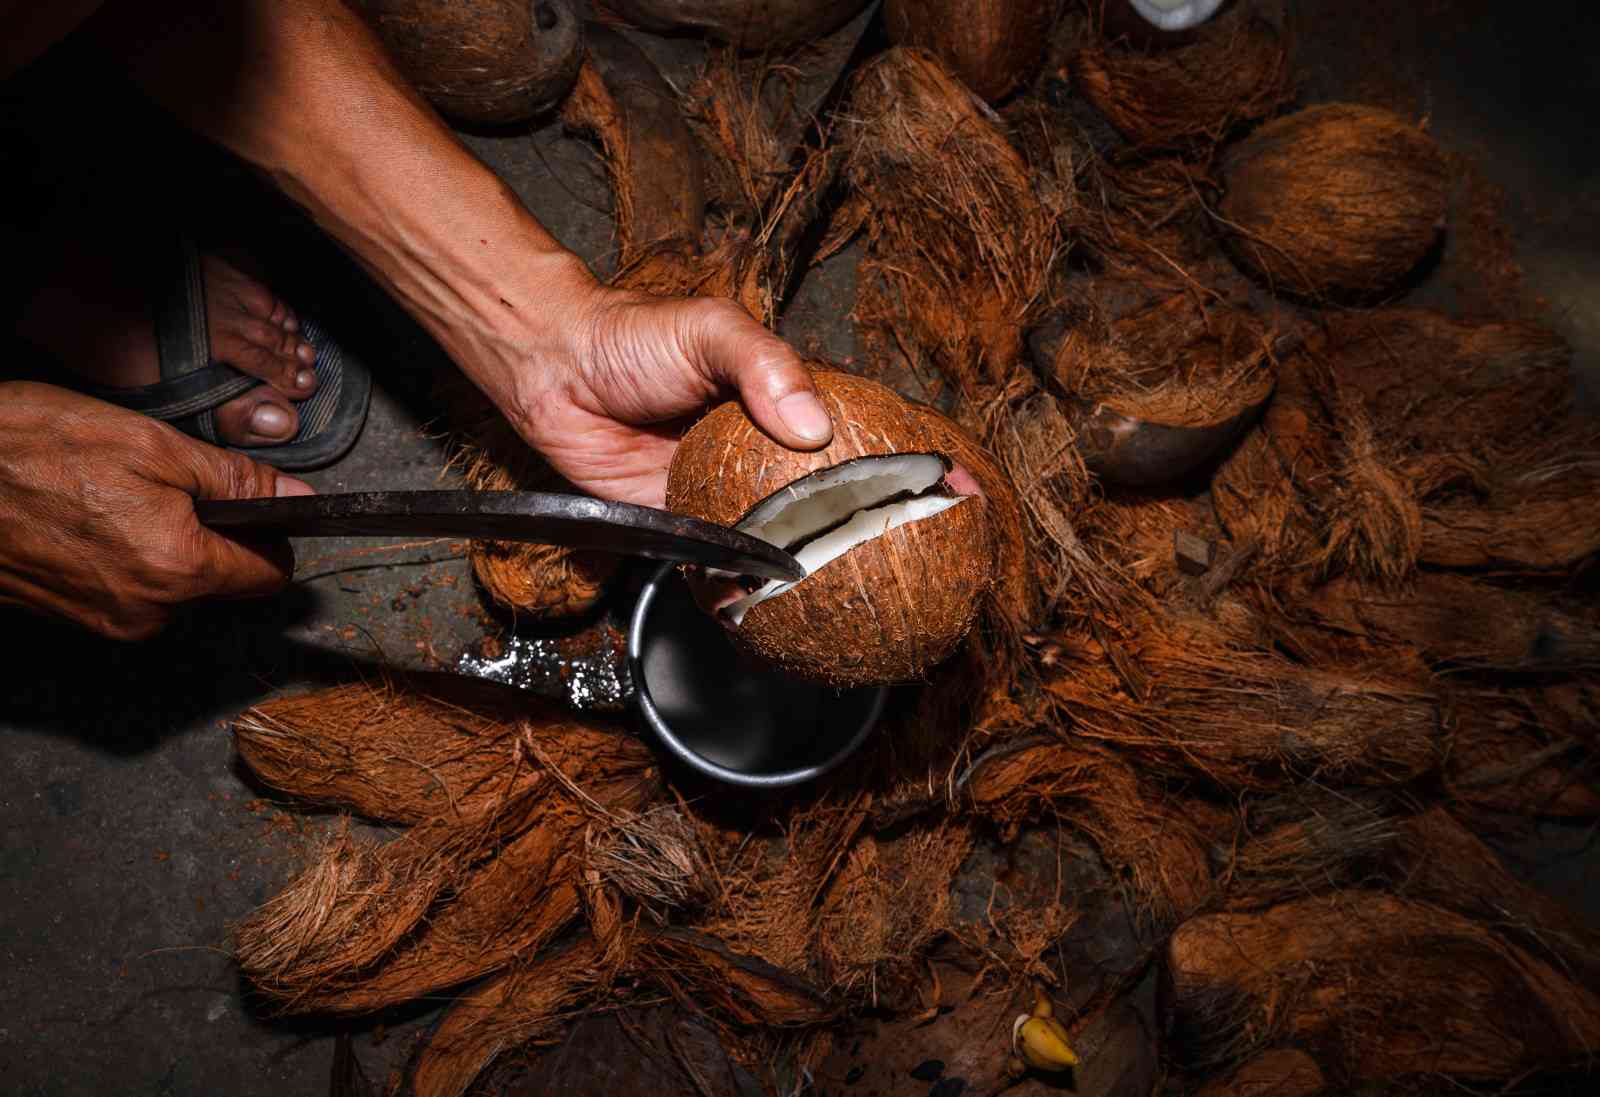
[129, 841]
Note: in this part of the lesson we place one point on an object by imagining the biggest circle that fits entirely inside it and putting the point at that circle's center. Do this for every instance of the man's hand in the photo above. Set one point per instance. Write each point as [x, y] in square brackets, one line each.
[609, 417]
[97, 518]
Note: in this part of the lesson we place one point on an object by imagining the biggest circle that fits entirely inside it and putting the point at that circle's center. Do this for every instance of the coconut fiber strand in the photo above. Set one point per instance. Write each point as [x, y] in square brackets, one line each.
[455, 896]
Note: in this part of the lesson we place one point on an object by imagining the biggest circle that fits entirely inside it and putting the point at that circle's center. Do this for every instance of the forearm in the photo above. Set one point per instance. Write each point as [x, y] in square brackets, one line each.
[303, 90]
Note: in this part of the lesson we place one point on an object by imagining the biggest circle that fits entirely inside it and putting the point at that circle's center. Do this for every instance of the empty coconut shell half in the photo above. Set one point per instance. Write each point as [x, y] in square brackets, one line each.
[1162, 391]
[896, 539]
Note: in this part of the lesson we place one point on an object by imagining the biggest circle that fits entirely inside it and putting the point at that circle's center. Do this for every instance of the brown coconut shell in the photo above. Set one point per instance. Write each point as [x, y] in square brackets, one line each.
[1380, 985]
[1334, 201]
[1282, 1072]
[890, 609]
[486, 62]
[753, 25]
[1183, 698]
[1014, 598]
[995, 47]
[1236, 70]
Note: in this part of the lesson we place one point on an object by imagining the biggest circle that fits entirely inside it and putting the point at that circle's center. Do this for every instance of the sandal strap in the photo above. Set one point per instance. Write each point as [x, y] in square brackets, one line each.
[191, 385]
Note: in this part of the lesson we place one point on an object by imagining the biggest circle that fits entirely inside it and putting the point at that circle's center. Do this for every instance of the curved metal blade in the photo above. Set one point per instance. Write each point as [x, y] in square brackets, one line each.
[575, 521]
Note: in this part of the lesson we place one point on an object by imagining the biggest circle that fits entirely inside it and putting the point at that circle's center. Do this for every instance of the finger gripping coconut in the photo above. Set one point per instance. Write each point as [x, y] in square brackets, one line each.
[895, 538]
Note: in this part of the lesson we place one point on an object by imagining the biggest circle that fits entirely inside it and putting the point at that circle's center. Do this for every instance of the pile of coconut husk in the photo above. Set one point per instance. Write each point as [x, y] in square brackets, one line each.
[1290, 619]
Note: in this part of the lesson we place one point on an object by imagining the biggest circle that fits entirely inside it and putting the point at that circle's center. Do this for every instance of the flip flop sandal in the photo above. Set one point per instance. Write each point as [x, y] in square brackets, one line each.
[192, 386]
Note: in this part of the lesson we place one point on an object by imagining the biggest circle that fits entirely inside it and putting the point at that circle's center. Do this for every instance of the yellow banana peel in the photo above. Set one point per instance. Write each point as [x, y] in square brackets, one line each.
[1040, 1039]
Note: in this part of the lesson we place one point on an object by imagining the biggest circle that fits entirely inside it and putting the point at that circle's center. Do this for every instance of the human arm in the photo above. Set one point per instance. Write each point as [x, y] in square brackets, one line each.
[588, 375]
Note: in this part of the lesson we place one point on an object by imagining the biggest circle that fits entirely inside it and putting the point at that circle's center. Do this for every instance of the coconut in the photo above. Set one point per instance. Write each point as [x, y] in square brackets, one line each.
[1236, 71]
[1367, 979]
[766, 25]
[897, 544]
[1334, 201]
[994, 46]
[526, 1005]
[1161, 391]
[1142, 832]
[493, 62]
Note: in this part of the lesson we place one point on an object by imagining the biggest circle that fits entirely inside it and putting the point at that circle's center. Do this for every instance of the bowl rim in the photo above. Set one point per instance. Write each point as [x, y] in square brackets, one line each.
[680, 750]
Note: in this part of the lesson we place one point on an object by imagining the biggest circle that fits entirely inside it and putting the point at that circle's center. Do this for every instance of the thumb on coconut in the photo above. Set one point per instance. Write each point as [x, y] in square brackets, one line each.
[775, 387]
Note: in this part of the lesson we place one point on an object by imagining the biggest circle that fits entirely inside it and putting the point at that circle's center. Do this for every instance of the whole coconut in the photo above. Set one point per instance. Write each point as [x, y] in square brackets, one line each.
[891, 607]
[1334, 201]
[744, 24]
[482, 61]
[994, 46]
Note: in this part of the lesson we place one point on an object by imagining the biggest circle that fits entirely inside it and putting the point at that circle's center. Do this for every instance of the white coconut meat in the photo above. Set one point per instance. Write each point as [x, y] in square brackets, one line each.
[1176, 15]
[821, 517]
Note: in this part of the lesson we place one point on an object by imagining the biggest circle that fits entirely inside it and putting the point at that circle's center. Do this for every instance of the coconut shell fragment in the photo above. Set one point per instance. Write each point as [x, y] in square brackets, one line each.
[488, 62]
[1335, 201]
[995, 47]
[892, 607]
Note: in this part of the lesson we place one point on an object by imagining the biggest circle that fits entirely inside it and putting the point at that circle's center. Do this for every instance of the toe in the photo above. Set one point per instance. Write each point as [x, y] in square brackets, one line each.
[261, 417]
[281, 359]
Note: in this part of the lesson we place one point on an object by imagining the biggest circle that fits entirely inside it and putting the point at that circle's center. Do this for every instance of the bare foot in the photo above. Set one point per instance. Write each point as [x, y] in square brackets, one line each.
[95, 313]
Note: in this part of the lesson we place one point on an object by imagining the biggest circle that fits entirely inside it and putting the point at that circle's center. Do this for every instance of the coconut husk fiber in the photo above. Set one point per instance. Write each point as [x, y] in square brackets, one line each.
[1237, 70]
[370, 925]
[889, 902]
[1281, 1072]
[527, 1004]
[758, 28]
[1337, 200]
[740, 989]
[1145, 836]
[1378, 986]
[1535, 513]
[404, 749]
[1518, 752]
[1181, 698]
[1308, 841]
[1448, 385]
[959, 245]
[1455, 622]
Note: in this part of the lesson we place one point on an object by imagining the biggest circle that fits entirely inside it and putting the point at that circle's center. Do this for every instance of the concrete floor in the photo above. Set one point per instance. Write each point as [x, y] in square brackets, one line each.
[128, 839]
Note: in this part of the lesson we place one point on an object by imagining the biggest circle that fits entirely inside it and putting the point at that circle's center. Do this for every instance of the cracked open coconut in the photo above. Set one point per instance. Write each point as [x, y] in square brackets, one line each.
[895, 538]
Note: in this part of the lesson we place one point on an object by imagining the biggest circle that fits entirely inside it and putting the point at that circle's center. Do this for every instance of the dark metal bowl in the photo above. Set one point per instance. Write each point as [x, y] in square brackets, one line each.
[740, 723]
